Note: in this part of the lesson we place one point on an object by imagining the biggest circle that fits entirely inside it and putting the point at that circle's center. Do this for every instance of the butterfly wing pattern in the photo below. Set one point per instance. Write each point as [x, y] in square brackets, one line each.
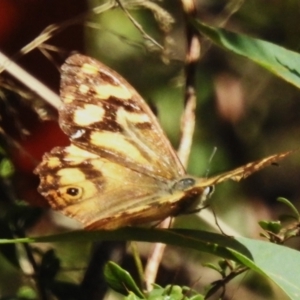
[120, 168]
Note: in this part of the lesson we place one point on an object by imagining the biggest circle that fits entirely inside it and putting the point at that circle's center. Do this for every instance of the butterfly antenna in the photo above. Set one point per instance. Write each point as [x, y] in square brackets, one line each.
[217, 223]
[210, 160]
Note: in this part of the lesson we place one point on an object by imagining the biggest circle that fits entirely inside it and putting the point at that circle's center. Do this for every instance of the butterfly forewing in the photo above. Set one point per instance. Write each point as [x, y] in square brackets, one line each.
[103, 114]
[244, 171]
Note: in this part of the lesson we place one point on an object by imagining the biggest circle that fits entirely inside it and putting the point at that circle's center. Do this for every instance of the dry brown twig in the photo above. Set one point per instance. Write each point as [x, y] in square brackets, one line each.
[29, 81]
[187, 126]
[138, 26]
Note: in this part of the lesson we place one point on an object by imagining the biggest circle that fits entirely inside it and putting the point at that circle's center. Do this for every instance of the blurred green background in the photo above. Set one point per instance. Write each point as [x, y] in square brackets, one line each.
[244, 111]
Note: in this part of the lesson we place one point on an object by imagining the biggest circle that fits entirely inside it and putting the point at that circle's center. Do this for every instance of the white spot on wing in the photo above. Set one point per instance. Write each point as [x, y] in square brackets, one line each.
[124, 116]
[78, 134]
[88, 114]
[104, 91]
[83, 89]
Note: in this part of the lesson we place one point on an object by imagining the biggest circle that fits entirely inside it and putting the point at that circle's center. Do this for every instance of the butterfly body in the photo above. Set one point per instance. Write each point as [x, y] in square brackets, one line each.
[120, 169]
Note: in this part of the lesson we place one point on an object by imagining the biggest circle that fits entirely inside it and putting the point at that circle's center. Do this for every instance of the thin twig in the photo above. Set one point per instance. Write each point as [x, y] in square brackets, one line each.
[154, 259]
[193, 55]
[138, 263]
[187, 128]
[52, 29]
[187, 125]
[138, 26]
[28, 80]
[230, 9]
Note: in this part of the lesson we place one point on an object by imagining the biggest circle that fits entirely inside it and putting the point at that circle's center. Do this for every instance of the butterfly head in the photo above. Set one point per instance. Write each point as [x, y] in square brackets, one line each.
[207, 192]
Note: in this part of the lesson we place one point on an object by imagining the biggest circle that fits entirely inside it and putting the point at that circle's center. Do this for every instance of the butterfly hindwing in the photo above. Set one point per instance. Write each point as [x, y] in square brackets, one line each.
[100, 193]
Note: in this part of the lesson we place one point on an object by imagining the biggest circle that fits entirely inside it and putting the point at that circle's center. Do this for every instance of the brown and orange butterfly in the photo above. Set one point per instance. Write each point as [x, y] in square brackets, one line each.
[120, 169]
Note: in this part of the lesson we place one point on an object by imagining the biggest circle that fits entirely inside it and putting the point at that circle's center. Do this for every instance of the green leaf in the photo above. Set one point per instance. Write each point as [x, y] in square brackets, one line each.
[275, 262]
[204, 241]
[6, 168]
[213, 267]
[272, 226]
[132, 296]
[290, 205]
[197, 297]
[120, 280]
[26, 292]
[278, 60]
[8, 251]
[279, 263]
[173, 292]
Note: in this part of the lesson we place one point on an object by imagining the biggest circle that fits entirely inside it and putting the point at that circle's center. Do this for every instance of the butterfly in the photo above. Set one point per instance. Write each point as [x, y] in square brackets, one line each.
[120, 169]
